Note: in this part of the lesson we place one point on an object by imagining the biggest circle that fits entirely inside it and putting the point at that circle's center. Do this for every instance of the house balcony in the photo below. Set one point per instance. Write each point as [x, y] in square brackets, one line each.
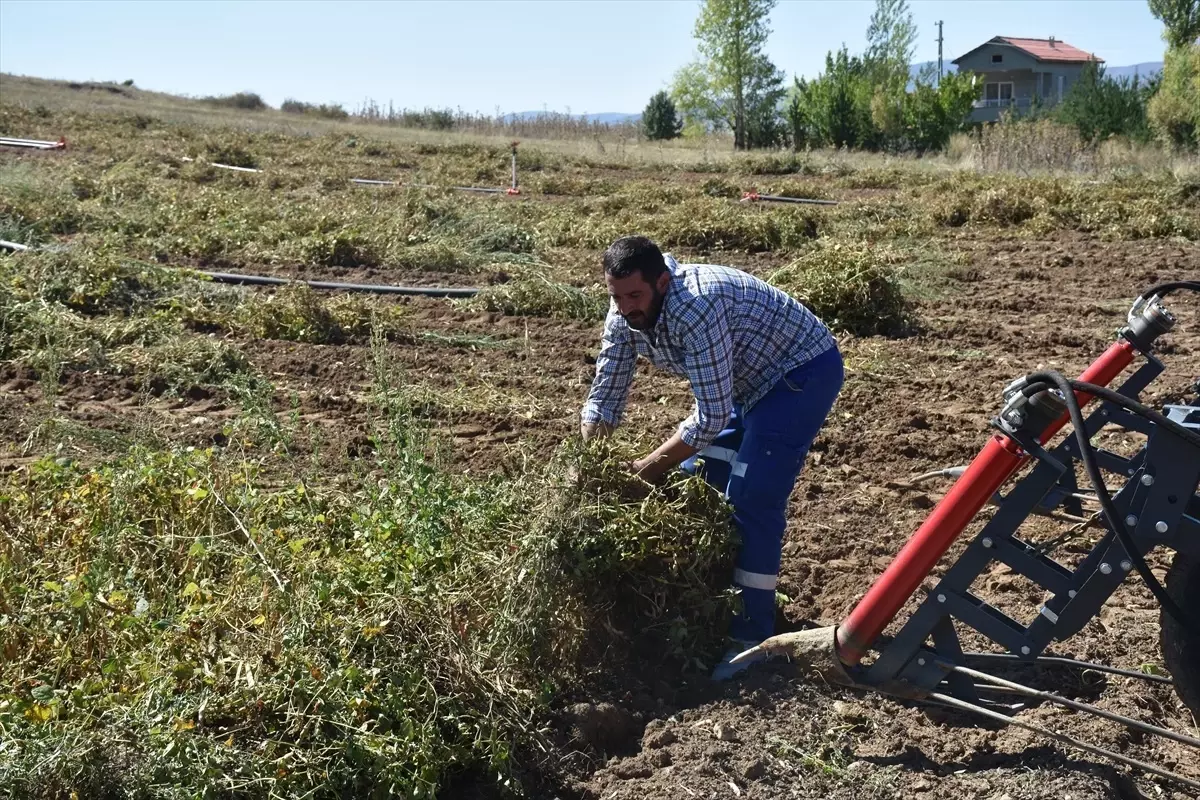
[990, 110]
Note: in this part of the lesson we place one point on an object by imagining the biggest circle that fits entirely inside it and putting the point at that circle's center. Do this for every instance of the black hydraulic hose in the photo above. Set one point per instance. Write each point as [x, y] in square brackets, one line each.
[267, 280]
[1040, 381]
[1165, 288]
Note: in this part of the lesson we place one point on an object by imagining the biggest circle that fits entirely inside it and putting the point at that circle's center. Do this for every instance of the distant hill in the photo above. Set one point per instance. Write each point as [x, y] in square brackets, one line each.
[1143, 70]
[607, 117]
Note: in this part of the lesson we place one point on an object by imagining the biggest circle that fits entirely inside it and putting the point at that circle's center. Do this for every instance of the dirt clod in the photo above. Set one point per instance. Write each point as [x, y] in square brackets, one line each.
[603, 727]
[659, 738]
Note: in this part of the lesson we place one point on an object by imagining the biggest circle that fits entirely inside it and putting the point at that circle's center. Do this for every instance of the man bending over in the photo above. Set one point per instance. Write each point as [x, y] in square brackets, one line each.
[765, 372]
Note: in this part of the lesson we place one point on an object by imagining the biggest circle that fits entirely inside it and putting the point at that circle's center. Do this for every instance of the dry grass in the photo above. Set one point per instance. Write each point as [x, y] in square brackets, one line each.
[1045, 147]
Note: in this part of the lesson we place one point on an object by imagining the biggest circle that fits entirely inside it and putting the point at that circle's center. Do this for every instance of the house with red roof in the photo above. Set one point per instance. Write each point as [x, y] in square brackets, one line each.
[1016, 73]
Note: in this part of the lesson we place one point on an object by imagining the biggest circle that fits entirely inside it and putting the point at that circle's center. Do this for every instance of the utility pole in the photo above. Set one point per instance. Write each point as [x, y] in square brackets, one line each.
[939, 52]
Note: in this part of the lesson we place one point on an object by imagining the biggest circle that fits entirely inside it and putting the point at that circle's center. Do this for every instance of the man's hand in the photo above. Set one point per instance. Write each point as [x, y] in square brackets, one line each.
[593, 430]
[654, 467]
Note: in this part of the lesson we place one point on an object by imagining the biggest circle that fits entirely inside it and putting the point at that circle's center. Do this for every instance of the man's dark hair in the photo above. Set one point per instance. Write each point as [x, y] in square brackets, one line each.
[631, 254]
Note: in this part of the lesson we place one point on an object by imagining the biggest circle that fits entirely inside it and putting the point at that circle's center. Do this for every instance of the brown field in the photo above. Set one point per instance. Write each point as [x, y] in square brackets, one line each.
[1031, 272]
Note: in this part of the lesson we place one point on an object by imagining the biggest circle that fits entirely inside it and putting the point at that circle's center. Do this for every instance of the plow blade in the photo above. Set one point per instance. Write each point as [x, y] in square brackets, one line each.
[814, 650]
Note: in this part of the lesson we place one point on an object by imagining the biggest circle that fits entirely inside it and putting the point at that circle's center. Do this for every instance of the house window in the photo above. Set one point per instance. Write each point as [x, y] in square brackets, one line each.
[997, 58]
[999, 93]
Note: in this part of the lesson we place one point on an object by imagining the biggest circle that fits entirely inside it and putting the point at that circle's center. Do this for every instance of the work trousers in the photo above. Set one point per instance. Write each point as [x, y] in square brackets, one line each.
[756, 461]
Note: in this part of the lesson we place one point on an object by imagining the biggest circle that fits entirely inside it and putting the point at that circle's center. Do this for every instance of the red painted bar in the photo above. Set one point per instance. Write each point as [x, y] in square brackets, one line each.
[994, 465]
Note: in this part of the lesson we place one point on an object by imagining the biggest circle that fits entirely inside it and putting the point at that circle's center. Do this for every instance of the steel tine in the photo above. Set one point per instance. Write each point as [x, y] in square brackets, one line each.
[1050, 697]
[954, 702]
[1068, 662]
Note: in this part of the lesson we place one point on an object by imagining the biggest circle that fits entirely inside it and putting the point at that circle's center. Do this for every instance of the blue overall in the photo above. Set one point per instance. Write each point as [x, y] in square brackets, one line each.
[756, 461]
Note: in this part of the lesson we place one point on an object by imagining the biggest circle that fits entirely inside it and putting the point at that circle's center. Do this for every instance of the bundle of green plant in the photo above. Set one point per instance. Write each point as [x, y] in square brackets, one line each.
[707, 224]
[649, 567]
[535, 296]
[852, 287]
[89, 309]
[173, 630]
[300, 314]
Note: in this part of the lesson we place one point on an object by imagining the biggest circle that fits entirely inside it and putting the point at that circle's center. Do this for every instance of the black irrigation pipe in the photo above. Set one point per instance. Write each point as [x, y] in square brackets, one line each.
[754, 197]
[480, 189]
[267, 280]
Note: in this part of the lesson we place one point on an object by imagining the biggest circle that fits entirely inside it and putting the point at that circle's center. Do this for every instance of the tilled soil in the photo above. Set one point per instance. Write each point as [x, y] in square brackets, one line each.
[909, 405]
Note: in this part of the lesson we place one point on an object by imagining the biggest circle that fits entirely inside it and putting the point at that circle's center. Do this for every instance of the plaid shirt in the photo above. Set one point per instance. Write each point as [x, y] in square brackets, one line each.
[730, 334]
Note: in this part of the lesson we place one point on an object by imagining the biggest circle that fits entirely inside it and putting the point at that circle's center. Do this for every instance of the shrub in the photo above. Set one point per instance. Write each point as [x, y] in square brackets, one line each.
[1024, 145]
[346, 249]
[536, 296]
[327, 111]
[852, 287]
[246, 101]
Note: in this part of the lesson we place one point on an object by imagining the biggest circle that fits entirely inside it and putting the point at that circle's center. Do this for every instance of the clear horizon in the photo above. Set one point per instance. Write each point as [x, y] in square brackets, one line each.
[592, 56]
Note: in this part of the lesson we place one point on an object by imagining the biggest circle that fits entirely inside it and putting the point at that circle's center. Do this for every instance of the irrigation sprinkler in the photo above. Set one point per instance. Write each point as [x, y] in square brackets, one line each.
[226, 166]
[33, 144]
[514, 189]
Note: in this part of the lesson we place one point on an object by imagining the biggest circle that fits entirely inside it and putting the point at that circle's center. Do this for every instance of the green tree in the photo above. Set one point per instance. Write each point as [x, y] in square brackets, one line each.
[1174, 111]
[796, 113]
[660, 120]
[839, 102]
[932, 113]
[742, 80]
[1181, 19]
[765, 94]
[696, 100]
[891, 43]
[1100, 106]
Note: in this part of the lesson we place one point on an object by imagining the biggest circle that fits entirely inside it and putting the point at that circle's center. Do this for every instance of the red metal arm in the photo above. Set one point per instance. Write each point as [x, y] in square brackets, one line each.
[997, 462]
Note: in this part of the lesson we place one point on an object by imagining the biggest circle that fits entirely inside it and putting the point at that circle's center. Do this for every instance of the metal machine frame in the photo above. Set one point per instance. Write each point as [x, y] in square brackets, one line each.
[1157, 503]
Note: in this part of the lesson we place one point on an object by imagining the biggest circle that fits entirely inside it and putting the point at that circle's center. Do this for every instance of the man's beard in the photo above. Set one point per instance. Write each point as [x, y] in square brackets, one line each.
[644, 322]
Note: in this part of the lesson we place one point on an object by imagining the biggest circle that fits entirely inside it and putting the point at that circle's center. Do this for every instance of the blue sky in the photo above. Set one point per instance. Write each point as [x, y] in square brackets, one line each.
[581, 55]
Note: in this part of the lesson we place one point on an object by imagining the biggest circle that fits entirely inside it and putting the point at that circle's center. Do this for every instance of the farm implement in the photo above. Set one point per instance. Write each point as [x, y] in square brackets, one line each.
[1141, 501]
